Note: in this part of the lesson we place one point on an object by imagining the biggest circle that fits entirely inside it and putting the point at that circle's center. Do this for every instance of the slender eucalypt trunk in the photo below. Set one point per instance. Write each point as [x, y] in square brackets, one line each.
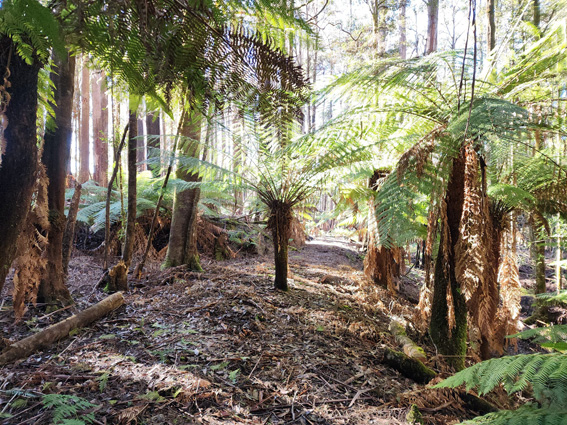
[280, 225]
[448, 326]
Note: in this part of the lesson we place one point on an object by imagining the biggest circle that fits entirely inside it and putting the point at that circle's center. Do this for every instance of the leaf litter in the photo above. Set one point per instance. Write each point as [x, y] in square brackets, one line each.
[224, 347]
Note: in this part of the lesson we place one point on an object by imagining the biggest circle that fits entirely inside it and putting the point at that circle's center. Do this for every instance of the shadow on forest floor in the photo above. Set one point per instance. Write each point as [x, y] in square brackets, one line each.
[224, 347]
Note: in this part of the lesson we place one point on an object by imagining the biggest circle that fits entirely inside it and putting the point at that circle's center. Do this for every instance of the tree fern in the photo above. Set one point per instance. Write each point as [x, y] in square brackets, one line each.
[32, 27]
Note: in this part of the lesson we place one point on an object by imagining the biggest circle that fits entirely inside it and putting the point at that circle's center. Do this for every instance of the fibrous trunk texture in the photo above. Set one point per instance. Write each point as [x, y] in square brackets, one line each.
[182, 248]
[280, 225]
[55, 155]
[19, 156]
[448, 326]
[382, 265]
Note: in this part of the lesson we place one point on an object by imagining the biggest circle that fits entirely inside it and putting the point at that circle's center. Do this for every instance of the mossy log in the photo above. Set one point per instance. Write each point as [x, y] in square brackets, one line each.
[29, 345]
[408, 367]
[411, 349]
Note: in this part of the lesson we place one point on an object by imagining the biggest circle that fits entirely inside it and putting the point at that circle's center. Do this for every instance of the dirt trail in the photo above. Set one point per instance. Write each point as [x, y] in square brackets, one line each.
[223, 347]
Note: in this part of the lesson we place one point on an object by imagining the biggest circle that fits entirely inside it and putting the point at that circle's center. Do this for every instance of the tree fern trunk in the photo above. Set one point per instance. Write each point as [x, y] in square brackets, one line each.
[448, 327]
[281, 256]
[55, 153]
[19, 159]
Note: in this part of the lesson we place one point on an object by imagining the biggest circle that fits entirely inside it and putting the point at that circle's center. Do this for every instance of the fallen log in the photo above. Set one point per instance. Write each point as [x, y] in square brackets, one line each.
[410, 368]
[57, 331]
[410, 348]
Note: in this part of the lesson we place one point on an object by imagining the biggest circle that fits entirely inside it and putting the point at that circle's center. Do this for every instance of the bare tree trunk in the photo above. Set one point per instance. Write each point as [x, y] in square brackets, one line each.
[153, 141]
[382, 28]
[141, 146]
[491, 27]
[432, 24]
[69, 235]
[182, 248]
[84, 141]
[52, 287]
[100, 129]
[19, 154]
[116, 166]
[403, 28]
[537, 13]
[132, 193]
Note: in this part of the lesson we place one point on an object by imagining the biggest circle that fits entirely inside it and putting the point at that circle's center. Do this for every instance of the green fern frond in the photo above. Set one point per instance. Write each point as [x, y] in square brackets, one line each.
[525, 415]
[545, 374]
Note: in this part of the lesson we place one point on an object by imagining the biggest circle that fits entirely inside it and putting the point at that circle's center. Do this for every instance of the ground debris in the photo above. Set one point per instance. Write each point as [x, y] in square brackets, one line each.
[223, 347]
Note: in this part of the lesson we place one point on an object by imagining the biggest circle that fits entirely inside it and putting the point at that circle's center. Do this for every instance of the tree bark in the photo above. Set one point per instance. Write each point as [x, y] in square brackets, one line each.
[403, 29]
[182, 248]
[537, 13]
[432, 24]
[84, 141]
[69, 235]
[280, 224]
[408, 367]
[448, 329]
[491, 27]
[29, 345]
[132, 193]
[18, 166]
[52, 287]
[141, 146]
[153, 142]
[100, 129]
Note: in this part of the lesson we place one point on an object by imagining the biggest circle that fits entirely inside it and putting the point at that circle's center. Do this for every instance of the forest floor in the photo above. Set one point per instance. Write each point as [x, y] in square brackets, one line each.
[224, 347]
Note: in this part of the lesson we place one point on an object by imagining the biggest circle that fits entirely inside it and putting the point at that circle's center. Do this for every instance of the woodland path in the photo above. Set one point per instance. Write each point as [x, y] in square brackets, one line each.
[223, 347]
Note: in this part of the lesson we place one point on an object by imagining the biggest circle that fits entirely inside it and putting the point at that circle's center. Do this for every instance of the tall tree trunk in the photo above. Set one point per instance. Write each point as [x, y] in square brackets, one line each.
[448, 327]
[403, 29]
[182, 248]
[100, 129]
[432, 24]
[382, 28]
[19, 160]
[56, 150]
[280, 224]
[491, 27]
[132, 192]
[537, 13]
[84, 141]
[141, 146]
[153, 142]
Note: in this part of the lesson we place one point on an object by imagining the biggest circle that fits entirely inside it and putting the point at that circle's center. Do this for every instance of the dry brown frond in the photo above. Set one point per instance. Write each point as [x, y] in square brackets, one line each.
[423, 310]
[510, 296]
[418, 155]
